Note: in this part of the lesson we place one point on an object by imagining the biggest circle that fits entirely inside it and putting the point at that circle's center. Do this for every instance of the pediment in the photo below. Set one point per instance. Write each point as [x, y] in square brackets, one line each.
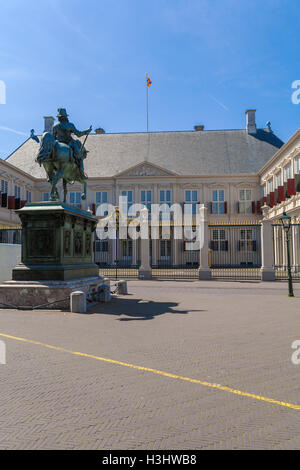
[145, 169]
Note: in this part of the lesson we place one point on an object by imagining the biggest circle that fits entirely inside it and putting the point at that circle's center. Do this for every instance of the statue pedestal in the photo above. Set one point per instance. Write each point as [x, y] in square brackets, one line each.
[57, 243]
[46, 294]
[56, 259]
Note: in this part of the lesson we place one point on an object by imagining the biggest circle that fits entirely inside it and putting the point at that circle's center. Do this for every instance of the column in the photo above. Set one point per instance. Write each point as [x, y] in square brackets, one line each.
[204, 269]
[145, 271]
[267, 269]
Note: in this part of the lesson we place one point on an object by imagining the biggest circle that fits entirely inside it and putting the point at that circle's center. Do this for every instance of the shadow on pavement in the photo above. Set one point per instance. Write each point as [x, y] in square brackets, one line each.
[137, 309]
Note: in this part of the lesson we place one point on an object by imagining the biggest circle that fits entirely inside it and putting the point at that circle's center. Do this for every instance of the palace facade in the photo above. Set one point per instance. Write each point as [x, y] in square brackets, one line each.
[232, 172]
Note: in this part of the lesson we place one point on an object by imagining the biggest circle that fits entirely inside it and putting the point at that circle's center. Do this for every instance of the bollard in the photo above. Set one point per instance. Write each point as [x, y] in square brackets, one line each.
[78, 302]
[104, 293]
[122, 287]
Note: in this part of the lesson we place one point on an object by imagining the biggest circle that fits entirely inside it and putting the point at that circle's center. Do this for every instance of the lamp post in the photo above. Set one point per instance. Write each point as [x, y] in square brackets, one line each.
[286, 224]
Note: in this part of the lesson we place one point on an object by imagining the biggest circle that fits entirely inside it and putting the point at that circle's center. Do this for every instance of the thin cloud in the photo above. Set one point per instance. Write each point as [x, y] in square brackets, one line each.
[219, 102]
[8, 129]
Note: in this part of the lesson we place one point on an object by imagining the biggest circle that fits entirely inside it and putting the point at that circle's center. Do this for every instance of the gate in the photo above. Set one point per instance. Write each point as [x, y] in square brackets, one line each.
[235, 251]
[280, 252]
[11, 235]
[117, 259]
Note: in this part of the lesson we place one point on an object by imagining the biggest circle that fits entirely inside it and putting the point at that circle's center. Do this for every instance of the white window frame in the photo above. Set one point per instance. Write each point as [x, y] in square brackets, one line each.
[101, 197]
[245, 202]
[147, 200]
[28, 195]
[4, 187]
[17, 192]
[218, 201]
[278, 179]
[76, 197]
[287, 172]
[191, 199]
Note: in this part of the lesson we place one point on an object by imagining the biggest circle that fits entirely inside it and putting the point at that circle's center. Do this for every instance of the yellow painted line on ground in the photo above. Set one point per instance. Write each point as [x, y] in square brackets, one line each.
[158, 372]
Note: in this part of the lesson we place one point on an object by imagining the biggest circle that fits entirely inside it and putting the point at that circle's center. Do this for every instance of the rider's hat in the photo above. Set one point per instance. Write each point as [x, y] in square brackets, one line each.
[62, 112]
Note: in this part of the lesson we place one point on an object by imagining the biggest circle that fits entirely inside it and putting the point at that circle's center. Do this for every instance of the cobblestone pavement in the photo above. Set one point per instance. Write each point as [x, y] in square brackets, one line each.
[237, 335]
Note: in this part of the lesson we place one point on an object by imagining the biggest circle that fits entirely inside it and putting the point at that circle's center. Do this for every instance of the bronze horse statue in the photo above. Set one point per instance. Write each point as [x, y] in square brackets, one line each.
[59, 163]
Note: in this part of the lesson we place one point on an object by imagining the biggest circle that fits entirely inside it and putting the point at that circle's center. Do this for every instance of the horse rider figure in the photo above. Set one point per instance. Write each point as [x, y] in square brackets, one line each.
[62, 132]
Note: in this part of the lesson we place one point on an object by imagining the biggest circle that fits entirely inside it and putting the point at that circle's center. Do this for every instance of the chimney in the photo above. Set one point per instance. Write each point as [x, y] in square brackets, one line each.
[100, 130]
[251, 121]
[49, 121]
[198, 128]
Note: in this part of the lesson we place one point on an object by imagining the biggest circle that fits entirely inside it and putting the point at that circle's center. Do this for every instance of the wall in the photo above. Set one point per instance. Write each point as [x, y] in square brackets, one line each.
[10, 256]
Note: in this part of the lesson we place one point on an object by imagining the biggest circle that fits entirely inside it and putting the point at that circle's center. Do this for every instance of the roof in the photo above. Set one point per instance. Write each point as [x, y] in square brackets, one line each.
[182, 153]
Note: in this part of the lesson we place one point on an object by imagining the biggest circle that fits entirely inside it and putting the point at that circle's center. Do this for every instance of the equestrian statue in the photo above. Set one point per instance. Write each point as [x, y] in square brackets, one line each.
[62, 156]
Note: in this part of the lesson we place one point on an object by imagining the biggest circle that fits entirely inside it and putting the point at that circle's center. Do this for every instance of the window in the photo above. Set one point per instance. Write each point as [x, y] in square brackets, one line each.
[246, 242]
[101, 197]
[218, 201]
[28, 196]
[278, 179]
[191, 201]
[165, 249]
[219, 242]
[287, 172]
[17, 192]
[297, 165]
[129, 195]
[165, 196]
[46, 197]
[4, 187]
[75, 199]
[271, 185]
[146, 199]
[102, 246]
[245, 201]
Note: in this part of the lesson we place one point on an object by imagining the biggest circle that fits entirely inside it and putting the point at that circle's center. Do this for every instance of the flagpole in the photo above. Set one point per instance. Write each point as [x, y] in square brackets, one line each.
[147, 88]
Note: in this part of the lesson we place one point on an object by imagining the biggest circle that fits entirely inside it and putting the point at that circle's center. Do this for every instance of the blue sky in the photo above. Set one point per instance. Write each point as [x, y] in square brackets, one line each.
[209, 60]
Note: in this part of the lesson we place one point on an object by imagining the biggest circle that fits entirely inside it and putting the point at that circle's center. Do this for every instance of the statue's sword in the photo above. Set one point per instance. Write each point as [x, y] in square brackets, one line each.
[85, 140]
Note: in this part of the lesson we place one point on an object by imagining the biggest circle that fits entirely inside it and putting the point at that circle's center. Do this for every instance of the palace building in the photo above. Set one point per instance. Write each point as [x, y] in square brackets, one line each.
[232, 172]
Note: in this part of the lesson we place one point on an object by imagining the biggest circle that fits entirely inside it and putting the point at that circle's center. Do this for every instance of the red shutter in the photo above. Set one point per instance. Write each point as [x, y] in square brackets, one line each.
[272, 199]
[225, 207]
[281, 193]
[264, 200]
[291, 187]
[253, 207]
[94, 209]
[258, 207]
[11, 202]
[23, 203]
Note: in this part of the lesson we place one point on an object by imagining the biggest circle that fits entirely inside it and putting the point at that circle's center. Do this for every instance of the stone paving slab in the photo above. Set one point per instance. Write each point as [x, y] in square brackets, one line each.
[234, 334]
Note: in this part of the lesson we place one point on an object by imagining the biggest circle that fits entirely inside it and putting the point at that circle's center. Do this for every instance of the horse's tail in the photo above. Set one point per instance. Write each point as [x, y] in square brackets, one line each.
[46, 147]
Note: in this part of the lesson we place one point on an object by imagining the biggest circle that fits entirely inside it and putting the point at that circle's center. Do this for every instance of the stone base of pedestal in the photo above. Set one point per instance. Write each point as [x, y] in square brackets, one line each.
[24, 272]
[204, 274]
[145, 273]
[267, 275]
[47, 294]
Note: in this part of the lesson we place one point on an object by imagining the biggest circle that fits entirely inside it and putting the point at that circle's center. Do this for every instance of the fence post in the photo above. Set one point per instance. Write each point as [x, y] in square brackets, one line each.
[267, 268]
[145, 271]
[204, 272]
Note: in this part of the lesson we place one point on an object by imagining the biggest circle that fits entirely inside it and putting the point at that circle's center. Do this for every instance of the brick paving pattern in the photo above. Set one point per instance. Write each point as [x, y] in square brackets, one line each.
[233, 334]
